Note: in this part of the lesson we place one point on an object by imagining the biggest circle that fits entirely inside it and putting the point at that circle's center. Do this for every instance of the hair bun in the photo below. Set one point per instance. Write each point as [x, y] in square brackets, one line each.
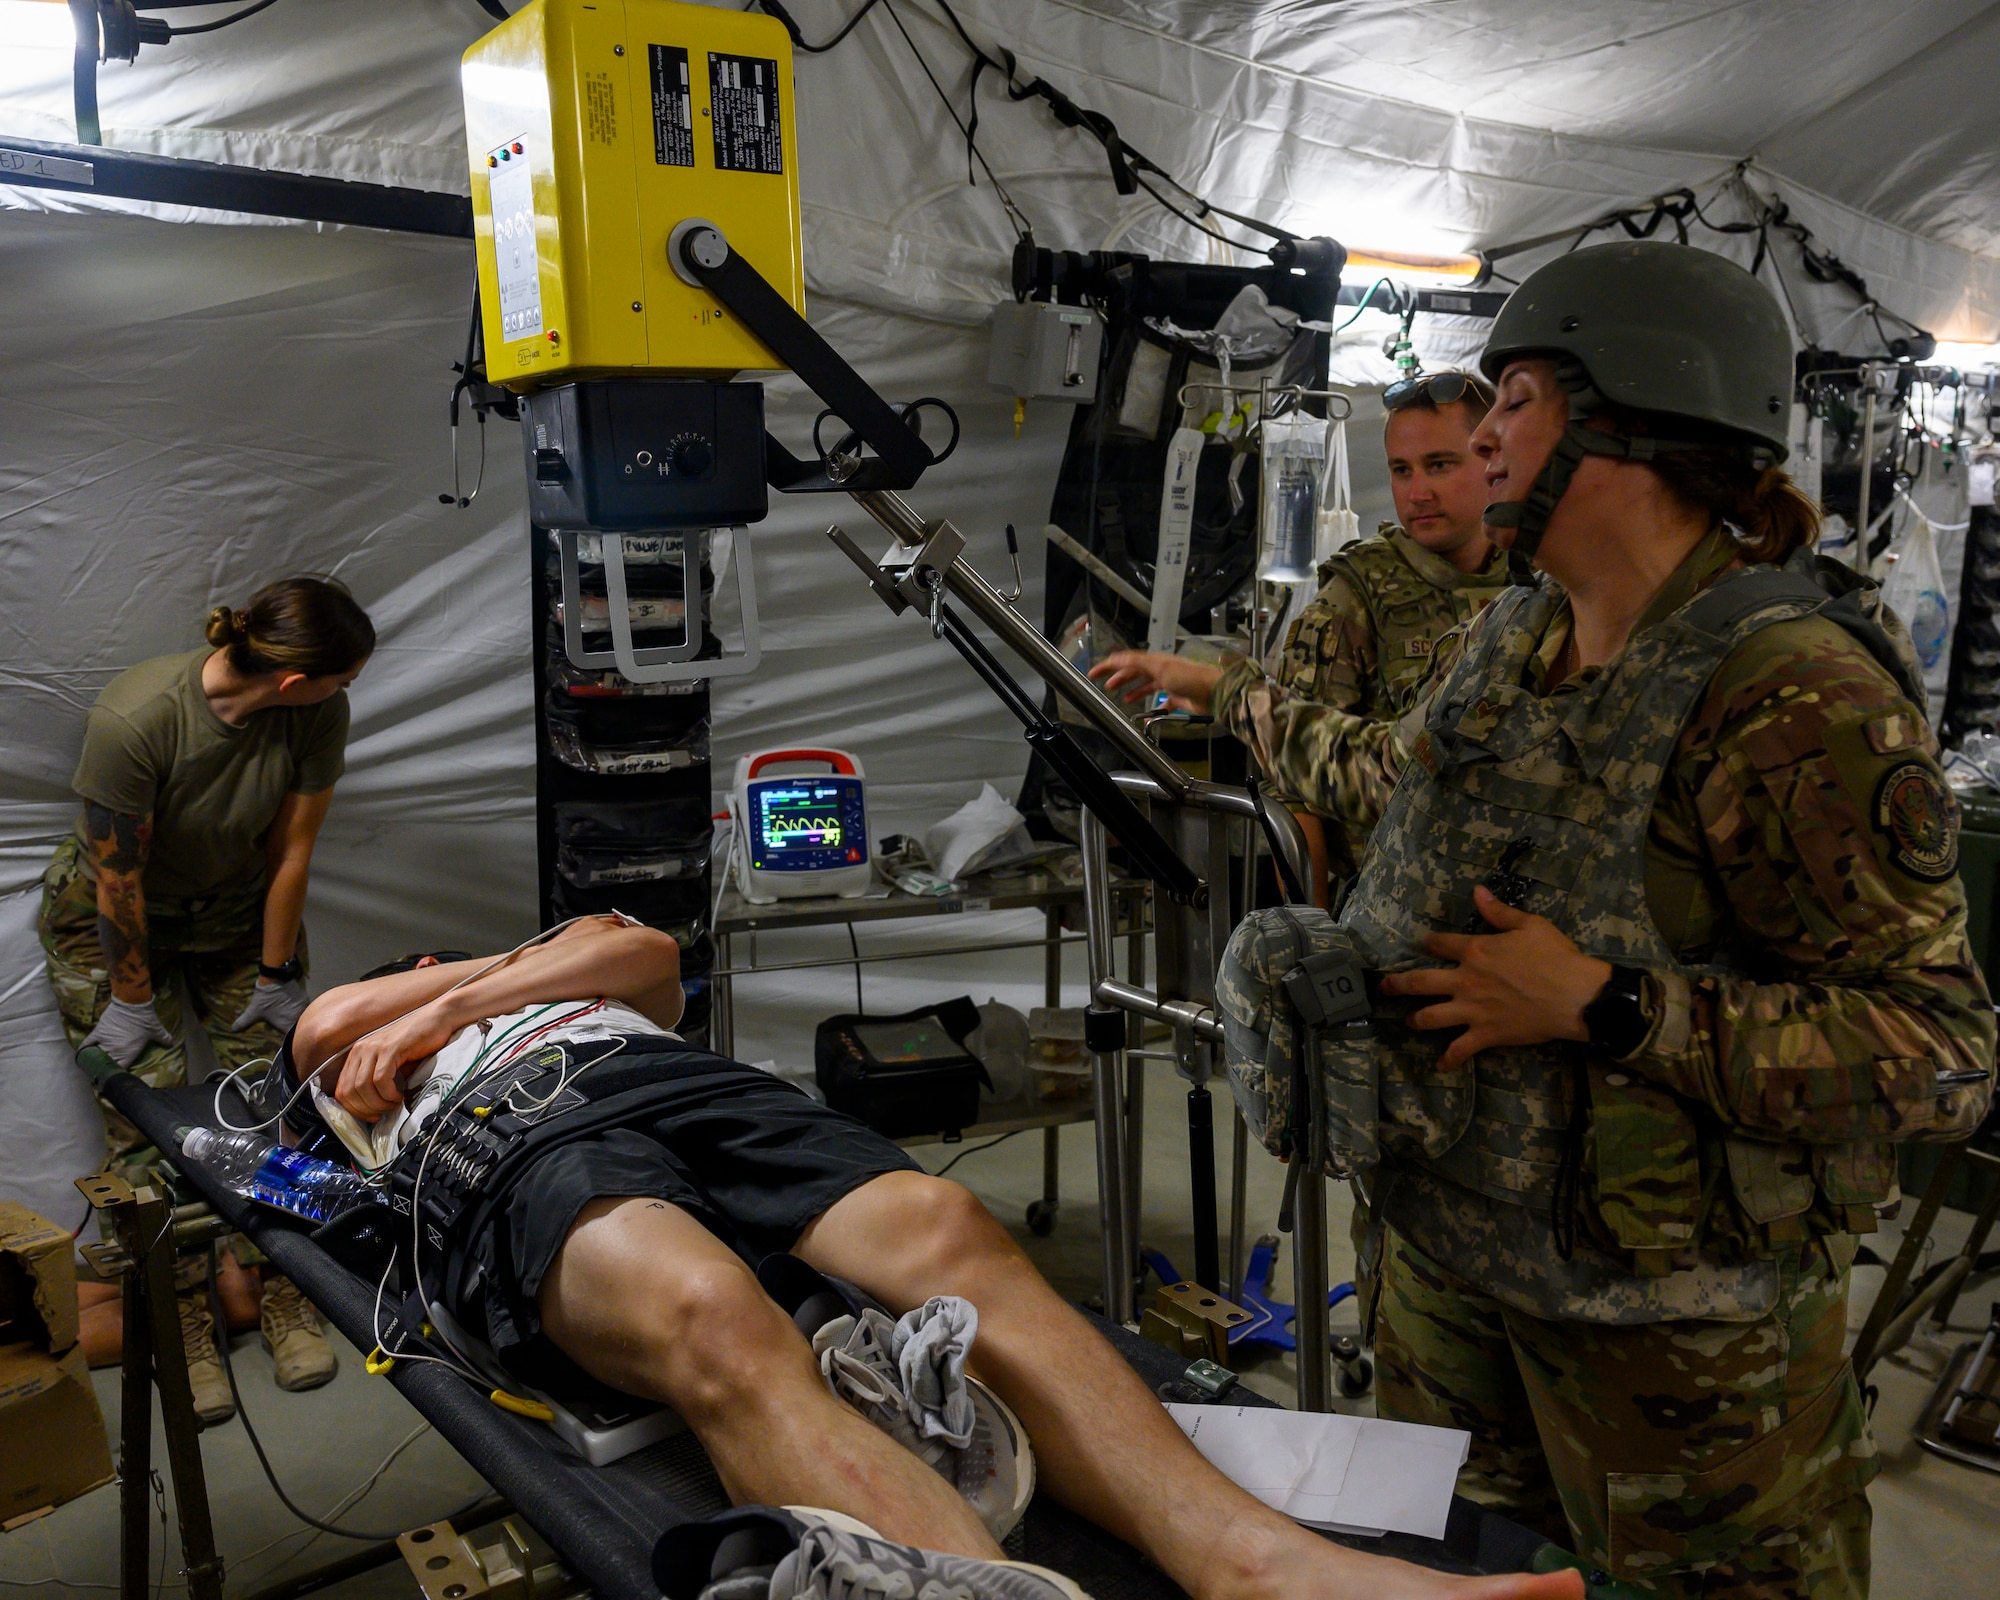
[226, 626]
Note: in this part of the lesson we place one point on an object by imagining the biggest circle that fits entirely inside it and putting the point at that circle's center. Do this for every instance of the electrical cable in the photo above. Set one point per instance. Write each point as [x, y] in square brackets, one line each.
[973, 152]
[257, 1444]
[854, 944]
[222, 22]
[784, 17]
[974, 1150]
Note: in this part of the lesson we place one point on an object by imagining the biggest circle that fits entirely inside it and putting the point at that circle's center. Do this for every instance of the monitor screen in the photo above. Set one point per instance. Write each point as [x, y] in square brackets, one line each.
[807, 824]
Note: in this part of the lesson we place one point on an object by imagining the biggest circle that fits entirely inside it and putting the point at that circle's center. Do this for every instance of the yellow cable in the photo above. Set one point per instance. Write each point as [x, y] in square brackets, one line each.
[521, 1406]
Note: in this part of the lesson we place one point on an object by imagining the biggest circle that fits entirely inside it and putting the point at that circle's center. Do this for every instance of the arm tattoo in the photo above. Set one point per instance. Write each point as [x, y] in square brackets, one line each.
[119, 840]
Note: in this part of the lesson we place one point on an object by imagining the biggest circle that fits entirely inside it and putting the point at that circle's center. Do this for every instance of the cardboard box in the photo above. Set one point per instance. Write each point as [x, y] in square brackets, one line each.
[37, 1281]
[52, 1442]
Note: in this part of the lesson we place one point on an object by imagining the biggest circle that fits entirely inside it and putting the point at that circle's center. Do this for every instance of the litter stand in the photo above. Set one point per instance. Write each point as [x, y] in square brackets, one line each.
[738, 919]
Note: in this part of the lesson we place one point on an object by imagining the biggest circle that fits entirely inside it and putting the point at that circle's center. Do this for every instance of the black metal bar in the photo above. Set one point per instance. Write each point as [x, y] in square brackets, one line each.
[167, 180]
[1092, 785]
[1201, 1178]
[83, 13]
[154, 1257]
[135, 1440]
[901, 455]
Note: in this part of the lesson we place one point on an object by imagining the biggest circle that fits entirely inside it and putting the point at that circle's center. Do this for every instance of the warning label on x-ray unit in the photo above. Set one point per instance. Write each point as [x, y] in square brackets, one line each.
[673, 107]
[743, 95]
[512, 188]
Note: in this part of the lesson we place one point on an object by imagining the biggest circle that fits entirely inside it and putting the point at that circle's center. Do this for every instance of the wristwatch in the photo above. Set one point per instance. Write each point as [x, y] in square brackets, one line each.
[294, 969]
[1616, 1019]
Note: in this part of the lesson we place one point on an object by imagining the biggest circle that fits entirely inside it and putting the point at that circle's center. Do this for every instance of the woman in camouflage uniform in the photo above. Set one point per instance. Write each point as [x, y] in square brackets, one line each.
[1674, 948]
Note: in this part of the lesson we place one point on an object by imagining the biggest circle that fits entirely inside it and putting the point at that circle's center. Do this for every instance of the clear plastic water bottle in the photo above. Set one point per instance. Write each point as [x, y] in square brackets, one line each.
[257, 1170]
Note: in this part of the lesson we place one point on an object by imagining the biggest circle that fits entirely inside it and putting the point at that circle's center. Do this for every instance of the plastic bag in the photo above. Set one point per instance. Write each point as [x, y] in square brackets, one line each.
[986, 832]
[1914, 589]
[1338, 526]
[1294, 452]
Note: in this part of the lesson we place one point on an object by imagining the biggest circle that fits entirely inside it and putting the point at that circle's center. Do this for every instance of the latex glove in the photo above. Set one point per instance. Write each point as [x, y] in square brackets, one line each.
[279, 1004]
[126, 1030]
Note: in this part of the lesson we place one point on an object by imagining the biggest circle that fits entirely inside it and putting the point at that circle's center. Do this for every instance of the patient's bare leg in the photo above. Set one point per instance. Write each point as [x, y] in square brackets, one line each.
[1104, 1445]
[644, 1298]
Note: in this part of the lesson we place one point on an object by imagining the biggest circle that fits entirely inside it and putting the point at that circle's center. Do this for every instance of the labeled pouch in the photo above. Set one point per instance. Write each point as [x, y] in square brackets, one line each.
[903, 1075]
[1263, 1035]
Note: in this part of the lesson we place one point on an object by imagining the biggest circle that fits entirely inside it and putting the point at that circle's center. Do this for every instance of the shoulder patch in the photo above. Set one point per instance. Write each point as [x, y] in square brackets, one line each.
[1916, 813]
[1897, 731]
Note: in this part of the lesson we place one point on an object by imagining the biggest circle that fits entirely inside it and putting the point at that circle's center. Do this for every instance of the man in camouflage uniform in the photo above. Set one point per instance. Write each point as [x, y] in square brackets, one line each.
[1364, 644]
[1674, 951]
[1361, 650]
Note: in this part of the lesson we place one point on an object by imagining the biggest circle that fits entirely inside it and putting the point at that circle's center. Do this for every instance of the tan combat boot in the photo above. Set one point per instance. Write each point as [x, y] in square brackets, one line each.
[212, 1400]
[300, 1356]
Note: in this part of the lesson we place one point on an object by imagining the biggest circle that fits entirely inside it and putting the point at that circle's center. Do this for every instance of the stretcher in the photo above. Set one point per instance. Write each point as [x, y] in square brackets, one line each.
[603, 1521]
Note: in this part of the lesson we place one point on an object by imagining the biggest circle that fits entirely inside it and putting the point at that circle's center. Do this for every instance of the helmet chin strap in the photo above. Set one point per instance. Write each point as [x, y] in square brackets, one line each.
[1529, 518]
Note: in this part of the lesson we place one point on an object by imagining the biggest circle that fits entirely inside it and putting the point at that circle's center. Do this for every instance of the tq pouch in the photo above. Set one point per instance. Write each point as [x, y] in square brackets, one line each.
[1297, 1039]
[906, 1074]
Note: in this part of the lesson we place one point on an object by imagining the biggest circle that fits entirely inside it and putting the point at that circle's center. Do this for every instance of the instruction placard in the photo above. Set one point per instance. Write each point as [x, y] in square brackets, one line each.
[673, 107]
[512, 190]
[743, 99]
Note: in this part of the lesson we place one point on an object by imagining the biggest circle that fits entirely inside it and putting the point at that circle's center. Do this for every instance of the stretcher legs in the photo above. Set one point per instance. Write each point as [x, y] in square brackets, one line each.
[155, 1354]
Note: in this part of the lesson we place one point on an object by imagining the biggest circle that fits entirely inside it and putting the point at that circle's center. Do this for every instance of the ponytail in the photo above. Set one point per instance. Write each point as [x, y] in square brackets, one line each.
[308, 625]
[1768, 513]
[1776, 518]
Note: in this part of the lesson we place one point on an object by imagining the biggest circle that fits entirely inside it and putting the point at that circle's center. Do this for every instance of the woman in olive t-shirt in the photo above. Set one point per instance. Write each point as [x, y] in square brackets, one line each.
[204, 780]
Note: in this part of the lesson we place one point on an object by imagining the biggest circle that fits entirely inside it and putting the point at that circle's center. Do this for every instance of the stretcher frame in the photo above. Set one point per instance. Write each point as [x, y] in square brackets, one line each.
[601, 1522]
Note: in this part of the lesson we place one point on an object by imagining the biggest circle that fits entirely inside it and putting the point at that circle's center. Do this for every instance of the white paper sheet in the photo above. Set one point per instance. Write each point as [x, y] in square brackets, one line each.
[1350, 1474]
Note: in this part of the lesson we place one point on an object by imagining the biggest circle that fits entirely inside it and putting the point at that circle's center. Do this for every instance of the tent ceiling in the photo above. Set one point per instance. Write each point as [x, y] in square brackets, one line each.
[1398, 123]
[1884, 107]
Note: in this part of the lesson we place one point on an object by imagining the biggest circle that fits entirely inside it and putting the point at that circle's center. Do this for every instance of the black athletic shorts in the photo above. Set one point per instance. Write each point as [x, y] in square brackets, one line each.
[750, 1157]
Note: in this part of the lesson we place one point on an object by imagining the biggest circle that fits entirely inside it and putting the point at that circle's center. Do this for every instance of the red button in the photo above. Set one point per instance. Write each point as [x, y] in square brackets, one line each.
[853, 855]
[515, 147]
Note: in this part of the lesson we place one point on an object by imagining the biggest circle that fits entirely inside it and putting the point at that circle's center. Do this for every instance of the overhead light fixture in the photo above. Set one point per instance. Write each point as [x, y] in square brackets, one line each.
[1405, 265]
[37, 45]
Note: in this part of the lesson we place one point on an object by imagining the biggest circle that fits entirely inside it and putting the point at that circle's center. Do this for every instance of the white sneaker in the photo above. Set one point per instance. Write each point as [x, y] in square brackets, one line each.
[802, 1553]
[971, 1439]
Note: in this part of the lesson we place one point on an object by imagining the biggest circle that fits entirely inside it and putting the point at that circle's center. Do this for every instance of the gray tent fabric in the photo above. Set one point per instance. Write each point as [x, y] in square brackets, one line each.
[198, 402]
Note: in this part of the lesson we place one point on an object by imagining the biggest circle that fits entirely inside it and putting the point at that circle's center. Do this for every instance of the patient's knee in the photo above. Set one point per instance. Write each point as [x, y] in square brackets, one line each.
[718, 1339]
[945, 1228]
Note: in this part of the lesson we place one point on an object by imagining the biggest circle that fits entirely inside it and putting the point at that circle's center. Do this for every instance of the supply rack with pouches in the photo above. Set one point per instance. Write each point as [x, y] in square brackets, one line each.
[622, 768]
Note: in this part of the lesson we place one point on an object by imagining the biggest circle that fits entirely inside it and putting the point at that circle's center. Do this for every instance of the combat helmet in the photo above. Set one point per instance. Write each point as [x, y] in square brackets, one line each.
[1679, 334]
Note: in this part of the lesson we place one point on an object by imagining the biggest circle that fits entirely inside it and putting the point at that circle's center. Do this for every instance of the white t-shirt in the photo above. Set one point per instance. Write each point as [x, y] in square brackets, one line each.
[486, 1045]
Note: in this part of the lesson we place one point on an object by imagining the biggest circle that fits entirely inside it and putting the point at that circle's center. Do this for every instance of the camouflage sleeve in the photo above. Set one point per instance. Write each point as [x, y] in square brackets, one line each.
[1812, 790]
[1326, 760]
[1328, 659]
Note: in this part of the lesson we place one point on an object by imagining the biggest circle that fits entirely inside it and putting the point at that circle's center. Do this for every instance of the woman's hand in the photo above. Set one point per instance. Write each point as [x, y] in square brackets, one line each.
[1187, 684]
[1525, 984]
[370, 1083]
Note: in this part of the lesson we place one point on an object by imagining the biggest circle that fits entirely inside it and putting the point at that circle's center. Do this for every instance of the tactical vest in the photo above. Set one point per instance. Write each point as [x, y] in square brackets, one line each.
[1410, 609]
[1547, 800]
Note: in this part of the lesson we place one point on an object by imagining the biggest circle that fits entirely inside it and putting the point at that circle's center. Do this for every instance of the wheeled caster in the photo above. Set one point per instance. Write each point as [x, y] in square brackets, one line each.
[1042, 1217]
[1353, 1373]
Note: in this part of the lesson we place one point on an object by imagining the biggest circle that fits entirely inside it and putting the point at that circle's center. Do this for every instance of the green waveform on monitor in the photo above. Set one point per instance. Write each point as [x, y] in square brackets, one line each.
[827, 827]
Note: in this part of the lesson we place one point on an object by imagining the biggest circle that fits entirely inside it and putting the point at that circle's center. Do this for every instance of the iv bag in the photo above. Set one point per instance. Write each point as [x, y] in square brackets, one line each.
[1294, 454]
[1338, 526]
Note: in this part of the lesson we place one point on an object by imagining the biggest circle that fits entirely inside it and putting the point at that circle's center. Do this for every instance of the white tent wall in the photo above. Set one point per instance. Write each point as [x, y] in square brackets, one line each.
[195, 402]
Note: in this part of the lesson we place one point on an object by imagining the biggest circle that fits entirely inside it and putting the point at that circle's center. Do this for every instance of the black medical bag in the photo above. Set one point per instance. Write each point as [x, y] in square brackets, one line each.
[904, 1075]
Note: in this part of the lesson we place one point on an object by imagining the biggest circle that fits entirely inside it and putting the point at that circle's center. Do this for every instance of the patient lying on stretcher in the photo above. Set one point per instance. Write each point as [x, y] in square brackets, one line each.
[630, 1254]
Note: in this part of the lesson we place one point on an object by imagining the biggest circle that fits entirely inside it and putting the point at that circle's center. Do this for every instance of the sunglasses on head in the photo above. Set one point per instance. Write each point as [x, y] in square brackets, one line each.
[1436, 388]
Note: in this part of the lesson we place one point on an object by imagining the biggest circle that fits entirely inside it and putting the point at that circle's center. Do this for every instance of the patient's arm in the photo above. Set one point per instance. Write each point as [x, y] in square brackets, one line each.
[393, 1022]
